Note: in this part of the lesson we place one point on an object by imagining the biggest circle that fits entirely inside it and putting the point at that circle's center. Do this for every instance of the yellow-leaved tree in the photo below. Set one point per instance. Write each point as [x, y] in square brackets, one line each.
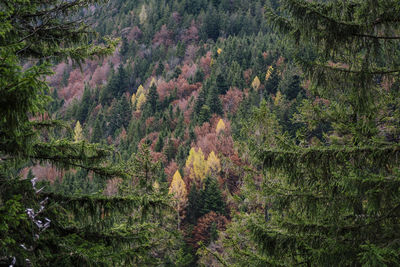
[190, 158]
[78, 136]
[140, 97]
[178, 187]
[269, 72]
[278, 98]
[197, 164]
[220, 126]
[153, 82]
[256, 83]
[178, 190]
[213, 164]
[143, 15]
[140, 101]
[156, 186]
[140, 90]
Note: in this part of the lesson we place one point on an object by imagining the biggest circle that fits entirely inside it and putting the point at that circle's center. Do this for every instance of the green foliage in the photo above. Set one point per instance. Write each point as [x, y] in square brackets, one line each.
[334, 197]
[203, 201]
[152, 102]
[116, 86]
[83, 109]
[212, 198]
[120, 115]
[213, 101]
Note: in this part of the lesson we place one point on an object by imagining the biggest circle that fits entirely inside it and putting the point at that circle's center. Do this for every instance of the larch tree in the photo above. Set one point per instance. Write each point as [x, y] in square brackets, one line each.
[178, 190]
[333, 199]
[256, 83]
[78, 136]
[269, 72]
[141, 100]
[220, 126]
[197, 165]
[143, 14]
[213, 163]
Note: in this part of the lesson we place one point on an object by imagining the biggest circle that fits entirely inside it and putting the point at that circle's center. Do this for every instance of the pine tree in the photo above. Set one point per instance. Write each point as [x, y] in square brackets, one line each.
[334, 200]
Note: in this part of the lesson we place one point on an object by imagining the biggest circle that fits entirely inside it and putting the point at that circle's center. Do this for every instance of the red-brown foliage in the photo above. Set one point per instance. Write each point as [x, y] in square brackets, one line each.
[201, 232]
[265, 55]
[247, 75]
[190, 53]
[158, 156]
[75, 87]
[208, 140]
[100, 75]
[55, 79]
[163, 36]
[165, 88]
[44, 173]
[150, 138]
[115, 59]
[191, 34]
[231, 100]
[205, 63]
[134, 34]
[184, 88]
[170, 170]
[188, 71]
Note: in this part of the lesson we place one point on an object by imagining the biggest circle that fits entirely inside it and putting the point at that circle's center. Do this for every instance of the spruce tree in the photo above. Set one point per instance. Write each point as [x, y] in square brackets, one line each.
[205, 114]
[38, 227]
[83, 109]
[222, 84]
[194, 205]
[212, 197]
[334, 200]
[213, 101]
[97, 133]
[152, 101]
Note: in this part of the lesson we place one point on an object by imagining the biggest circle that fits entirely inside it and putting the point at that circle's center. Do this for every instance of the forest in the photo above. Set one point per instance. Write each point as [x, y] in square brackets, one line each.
[199, 133]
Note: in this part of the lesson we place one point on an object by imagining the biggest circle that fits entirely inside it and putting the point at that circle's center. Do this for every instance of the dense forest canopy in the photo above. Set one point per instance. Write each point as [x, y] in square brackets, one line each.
[199, 133]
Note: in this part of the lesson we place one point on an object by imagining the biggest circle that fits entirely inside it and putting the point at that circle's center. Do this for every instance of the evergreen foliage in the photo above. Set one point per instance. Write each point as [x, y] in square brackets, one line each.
[335, 199]
[82, 230]
[213, 102]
